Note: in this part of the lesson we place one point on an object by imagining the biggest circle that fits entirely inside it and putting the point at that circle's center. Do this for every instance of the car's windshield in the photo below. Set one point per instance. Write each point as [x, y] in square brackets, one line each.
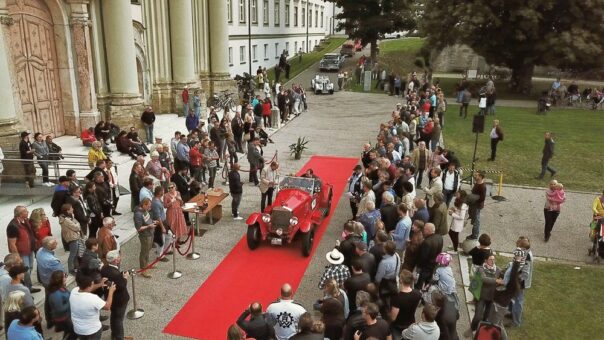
[306, 184]
[330, 57]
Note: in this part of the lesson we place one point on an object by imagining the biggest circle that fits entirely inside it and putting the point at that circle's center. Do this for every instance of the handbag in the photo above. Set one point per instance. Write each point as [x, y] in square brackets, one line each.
[246, 136]
[81, 246]
[593, 230]
[476, 285]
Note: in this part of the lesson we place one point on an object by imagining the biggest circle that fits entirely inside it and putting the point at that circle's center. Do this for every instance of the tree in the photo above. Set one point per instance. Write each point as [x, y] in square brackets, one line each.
[368, 20]
[520, 34]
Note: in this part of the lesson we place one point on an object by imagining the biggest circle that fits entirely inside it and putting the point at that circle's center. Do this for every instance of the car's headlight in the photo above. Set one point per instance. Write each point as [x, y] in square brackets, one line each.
[266, 218]
[293, 221]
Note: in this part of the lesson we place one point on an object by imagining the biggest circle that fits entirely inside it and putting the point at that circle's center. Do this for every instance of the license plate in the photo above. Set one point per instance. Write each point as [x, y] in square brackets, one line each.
[276, 241]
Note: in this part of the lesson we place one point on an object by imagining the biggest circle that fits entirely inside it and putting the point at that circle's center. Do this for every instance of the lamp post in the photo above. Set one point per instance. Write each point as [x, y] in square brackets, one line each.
[249, 35]
[307, 23]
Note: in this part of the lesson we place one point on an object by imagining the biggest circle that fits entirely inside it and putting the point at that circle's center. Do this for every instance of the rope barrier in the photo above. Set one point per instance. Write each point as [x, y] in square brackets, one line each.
[152, 264]
[189, 240]
[486, 171]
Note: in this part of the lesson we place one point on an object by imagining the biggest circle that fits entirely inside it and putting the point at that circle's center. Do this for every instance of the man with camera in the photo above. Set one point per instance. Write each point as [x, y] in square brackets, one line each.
[121, 297]
[144, 226]
[86, 306]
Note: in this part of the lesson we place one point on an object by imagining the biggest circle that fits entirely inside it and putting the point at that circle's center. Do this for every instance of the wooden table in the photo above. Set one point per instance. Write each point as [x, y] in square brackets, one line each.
[213, 201]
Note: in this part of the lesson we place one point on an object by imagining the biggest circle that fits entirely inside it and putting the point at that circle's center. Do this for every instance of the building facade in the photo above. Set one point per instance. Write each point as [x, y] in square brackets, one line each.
[67, 64]
[276, 26]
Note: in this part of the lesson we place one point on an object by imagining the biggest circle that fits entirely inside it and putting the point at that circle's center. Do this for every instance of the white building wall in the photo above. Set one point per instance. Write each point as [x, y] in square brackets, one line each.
[275, 28]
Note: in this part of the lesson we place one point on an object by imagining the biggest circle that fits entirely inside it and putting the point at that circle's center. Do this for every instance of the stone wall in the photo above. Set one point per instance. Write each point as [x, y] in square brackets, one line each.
[458, 58]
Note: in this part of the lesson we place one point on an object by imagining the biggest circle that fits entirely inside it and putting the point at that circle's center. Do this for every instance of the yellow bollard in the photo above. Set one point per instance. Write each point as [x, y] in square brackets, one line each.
[499, 189]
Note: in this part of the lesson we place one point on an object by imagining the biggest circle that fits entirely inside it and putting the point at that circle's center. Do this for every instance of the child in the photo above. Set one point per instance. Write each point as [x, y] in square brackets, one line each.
[481, 252]
[555, 195]
[442, 280]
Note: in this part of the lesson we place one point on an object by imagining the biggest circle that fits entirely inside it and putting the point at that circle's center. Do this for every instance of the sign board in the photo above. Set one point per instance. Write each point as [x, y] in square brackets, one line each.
[367, 81]
[472, 74]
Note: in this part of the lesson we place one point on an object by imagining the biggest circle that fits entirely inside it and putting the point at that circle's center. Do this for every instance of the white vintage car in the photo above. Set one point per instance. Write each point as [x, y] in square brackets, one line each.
[321, 84]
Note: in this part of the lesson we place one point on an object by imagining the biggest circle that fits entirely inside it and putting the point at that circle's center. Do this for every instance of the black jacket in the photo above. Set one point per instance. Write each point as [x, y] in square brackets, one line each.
[428, 250]
[347, 248]
[79, 212]
[352, 285]
[58, 199]
[256, 327]
[136, 183]
[182, 186]
[120, 296]
[389, 216]
[148, 117]
[235, 185]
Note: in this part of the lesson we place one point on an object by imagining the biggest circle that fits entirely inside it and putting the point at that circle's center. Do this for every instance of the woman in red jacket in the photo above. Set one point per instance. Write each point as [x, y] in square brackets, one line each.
[196, 158]
[41, 226]
[267, 105]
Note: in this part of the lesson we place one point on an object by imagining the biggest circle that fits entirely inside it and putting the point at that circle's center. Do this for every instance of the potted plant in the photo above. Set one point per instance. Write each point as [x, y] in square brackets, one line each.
[297, 148]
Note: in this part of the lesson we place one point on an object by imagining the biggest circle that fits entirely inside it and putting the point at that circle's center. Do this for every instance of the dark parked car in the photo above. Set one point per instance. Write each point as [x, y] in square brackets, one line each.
[331, 62]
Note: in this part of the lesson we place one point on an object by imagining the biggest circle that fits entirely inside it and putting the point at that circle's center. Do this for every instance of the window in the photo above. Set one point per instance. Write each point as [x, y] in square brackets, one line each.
[277, 12]
[254, 49]
[286, 19]
[230, 10]
[265, 51]
[242, 54]
[287, 48]
[322, 18]
[276, 50]
[254, 11]
[295, 47]
[303, 16]
[265, 11]
[316, 18]
[310, 17]
[295, 16]
[242, 11]
[230, 56]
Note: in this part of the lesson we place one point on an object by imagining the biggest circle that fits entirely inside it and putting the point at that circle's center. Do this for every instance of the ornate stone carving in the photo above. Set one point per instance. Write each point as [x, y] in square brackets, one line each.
[6, 20]
[80, 21]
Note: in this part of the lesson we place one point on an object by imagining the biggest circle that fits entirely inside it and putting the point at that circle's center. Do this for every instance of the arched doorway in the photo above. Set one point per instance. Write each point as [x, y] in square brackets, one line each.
[36, 65]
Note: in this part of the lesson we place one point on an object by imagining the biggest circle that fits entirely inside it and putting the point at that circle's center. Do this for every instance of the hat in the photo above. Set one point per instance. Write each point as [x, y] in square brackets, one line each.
[443, 259]
[24, 133]
[335, 257]
[399, 104]
[157, 137]
[16, 270]
[357, 167]
[361, 245]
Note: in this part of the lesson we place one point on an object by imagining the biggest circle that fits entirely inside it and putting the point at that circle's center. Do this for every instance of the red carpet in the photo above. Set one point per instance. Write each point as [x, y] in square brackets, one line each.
[245, 276]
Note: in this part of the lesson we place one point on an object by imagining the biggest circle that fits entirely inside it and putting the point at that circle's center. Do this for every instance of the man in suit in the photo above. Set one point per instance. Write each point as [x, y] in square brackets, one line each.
[269, 178]
[236, 189]
[256, 327]
[80, 210]
[237, 128]
[121, 297]
[254, 156]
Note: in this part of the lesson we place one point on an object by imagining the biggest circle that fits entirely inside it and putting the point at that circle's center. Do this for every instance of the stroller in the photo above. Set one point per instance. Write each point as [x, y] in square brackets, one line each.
[489, 331]
[543, 103]
[596, 251]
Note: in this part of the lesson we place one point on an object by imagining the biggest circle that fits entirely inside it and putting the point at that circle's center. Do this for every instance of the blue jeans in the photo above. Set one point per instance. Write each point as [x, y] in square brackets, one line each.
[28, 261]
[149, 133]
[44, 167]
[545, 167]
[73, 253]
[476, 225]
[516, 308]
[433, 145]
[186, 108]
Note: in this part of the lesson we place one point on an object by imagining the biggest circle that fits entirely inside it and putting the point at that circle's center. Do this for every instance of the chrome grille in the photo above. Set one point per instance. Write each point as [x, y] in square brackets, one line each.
[280, 218]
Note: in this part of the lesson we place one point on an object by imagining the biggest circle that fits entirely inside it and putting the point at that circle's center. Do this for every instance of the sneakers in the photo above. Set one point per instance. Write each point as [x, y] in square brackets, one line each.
[237, 218]
[47, 184]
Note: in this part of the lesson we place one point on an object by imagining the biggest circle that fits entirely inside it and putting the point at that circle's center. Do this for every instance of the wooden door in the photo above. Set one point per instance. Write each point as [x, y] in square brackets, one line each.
[35, 59]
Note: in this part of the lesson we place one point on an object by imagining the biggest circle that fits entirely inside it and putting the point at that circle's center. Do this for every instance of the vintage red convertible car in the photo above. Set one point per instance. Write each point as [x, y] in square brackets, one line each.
[299, 207]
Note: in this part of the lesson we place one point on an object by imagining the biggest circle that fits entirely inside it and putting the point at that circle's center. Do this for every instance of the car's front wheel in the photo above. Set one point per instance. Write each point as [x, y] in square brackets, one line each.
[328, 207]
[307, 241]
[253, 236]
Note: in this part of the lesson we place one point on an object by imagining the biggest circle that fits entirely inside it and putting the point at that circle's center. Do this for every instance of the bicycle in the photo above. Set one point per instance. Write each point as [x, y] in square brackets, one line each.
[222, 101]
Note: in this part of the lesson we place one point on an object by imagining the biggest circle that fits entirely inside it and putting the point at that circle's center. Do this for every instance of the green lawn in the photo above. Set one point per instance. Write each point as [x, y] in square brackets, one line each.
[562, 303]
[308, 59]
[577, 137]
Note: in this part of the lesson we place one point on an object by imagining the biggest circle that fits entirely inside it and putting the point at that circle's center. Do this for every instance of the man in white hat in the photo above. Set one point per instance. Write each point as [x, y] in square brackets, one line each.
[335, 270]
